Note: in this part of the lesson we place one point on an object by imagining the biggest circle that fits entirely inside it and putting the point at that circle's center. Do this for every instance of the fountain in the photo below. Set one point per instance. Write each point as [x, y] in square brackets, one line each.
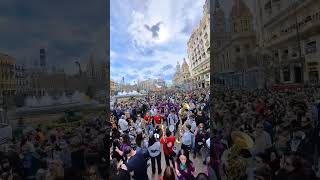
[31, 101]
[50, 104]
[46, 100]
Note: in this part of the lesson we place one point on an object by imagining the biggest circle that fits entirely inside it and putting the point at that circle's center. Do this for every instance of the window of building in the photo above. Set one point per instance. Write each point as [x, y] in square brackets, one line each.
[313, 76]
[267, 6]
[237, 49]
[285, 54]
[295, 51]
[311, 47]
[286, 74]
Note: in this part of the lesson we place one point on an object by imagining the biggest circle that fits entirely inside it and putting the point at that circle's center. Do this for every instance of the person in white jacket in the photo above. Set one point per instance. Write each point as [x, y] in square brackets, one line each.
[155, 154]
[123, 124]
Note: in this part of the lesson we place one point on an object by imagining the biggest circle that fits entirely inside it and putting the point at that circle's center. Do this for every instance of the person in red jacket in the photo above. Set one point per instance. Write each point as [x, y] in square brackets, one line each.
[158, 119]
[168, 141]
[148, 121]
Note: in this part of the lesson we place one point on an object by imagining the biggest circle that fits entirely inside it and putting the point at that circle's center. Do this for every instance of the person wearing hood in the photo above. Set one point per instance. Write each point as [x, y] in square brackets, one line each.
[123, 124]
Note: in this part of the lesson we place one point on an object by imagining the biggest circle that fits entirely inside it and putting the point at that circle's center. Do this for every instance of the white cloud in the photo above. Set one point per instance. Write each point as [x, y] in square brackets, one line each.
[113, 55]
[173, 15]
[168, 48]
[163, 57]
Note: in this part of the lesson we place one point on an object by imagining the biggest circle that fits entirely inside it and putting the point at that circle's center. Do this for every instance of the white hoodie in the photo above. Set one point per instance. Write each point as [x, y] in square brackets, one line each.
[123, 124]
[155, 149]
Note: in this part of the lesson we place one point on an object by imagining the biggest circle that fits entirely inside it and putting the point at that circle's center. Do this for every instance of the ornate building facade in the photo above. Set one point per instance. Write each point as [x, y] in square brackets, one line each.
[235, 63]
[150, 84]
[199, 51]
[291, 36]
[178, 76]
[182, 77]
[185, 72]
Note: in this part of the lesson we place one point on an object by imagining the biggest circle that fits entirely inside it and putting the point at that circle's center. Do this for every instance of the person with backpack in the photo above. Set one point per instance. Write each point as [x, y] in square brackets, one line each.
[168, 141]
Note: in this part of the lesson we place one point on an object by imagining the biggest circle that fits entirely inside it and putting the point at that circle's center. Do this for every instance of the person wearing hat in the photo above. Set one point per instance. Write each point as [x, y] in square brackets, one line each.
[183, 112]
[234, 159]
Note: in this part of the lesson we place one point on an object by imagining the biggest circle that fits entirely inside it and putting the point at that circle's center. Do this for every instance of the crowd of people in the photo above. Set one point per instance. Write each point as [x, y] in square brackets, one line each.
[58, 153]
[266, 135]
[258, 134]
[170, 124]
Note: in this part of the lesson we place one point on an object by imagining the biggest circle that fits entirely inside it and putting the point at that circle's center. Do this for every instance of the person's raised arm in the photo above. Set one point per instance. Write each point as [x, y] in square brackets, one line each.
[177, 171]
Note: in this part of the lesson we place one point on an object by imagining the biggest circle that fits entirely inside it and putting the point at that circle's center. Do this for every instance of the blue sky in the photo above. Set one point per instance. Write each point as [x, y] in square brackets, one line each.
[137, 50]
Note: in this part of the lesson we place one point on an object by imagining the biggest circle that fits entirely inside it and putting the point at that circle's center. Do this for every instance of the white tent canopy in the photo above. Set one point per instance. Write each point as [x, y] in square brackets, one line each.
[129, 94]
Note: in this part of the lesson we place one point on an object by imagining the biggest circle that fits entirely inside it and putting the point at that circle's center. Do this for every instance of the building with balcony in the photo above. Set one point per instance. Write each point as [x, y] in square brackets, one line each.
[199, 51]
[292, 36]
